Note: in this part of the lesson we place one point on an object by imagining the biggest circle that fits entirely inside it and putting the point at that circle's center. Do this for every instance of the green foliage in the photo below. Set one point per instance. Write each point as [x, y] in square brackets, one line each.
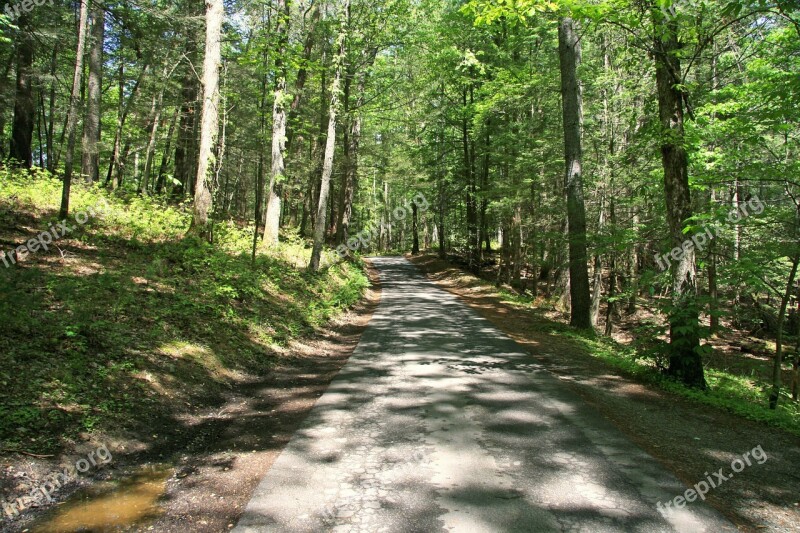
[136, 311]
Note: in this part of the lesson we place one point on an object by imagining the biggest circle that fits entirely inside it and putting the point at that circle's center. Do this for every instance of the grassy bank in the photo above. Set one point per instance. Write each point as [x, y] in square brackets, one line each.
[123, 322]
[744, 394]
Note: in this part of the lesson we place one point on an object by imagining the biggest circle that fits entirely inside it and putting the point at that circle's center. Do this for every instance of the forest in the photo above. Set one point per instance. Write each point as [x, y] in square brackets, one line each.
[628, 168]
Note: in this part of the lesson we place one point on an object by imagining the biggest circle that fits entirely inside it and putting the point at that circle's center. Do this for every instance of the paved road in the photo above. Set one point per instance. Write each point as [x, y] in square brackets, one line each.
[439, 422]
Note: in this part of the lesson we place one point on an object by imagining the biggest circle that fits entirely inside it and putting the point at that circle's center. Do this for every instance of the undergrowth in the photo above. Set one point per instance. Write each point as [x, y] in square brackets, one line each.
[125, 321]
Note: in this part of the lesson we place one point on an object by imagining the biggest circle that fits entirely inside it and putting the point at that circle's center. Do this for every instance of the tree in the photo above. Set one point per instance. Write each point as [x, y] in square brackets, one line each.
[74, 102]
[330, 143]
[273, 213]
[90, 165]
[569, 53]
[685, 362]
[209, 124]
[22, 127]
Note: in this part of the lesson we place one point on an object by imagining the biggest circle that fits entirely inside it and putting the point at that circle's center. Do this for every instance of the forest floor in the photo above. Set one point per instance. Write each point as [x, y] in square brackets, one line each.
[125, 336]
[690, 439]
[201, 480]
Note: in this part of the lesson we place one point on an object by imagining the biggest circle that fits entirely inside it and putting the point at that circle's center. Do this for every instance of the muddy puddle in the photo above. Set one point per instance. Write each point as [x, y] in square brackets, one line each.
[109, 506]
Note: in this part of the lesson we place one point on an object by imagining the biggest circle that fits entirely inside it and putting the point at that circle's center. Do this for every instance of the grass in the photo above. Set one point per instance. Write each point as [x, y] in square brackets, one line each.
[127, 321]
[744, 395]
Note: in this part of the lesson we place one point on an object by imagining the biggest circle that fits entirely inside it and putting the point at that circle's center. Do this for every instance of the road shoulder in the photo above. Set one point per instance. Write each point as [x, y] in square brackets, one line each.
[688, 439]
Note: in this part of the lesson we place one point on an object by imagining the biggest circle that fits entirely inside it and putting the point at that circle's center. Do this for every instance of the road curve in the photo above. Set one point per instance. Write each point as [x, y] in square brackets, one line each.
[440, 422]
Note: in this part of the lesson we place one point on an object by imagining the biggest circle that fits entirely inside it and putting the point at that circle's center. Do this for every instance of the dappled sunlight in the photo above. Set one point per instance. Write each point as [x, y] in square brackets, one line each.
[440, 420]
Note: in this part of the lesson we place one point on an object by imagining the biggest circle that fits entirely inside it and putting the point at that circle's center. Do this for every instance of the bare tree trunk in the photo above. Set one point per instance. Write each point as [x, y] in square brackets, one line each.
[201, 225]
[273, 214]
[155, 121]
[90, 163]
[24, 104]
[569, 58]
[72, 116]
[415, 229]
[330, 146]
[796, 363]
[302, 72]
[3, 84]
[597, 293]
[685, 361]
[51, 115]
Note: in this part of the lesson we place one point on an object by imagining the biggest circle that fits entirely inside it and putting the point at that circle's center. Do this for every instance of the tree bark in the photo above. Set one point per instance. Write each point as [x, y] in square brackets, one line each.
[90, 162]
[273, 214]
[415, 229]
[569, 58]
[352, 147]
[72, 115]
[114, 175]
[330, 145]
[201, 225]
[685, 362]
[24, 105]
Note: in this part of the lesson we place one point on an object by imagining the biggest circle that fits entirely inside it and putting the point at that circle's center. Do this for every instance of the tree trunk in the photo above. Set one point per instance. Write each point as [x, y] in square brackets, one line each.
[352, 147]
[597, 291]
[302, 72]
[90, 162]
[569, 58]
[162, 171]
[777, 367]
[201, 225]
[51, 115]
[330, 144]
[273, 214]
[24, 105]
[685, 362]
[72, 115]
[155, 121]
[796, 364]
[186, 144]
[118, 154]
[415, 229]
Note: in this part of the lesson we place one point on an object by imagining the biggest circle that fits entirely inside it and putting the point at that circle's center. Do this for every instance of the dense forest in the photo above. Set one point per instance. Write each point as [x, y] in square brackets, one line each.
[630, 163]
[189, 189]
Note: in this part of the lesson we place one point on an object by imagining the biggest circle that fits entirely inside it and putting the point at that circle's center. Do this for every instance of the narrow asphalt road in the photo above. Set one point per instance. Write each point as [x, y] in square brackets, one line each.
[439, 422]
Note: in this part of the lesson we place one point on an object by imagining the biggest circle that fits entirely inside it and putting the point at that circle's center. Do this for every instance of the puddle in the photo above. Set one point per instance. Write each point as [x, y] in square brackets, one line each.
[109, 506]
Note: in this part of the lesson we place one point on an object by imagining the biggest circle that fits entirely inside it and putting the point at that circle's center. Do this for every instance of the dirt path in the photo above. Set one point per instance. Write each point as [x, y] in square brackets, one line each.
[687, 438]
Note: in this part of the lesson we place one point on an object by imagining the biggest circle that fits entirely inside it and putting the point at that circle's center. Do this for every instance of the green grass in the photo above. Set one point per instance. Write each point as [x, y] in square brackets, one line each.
[137, 322]
[742, 395]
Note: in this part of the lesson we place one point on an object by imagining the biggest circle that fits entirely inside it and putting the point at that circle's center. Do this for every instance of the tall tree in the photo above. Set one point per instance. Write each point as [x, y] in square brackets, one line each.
[330, 143]
[90, 163]
[74, 104]
[569, 53]
[685, 361]
[209, 129]
[24, 109]
[273, 214]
